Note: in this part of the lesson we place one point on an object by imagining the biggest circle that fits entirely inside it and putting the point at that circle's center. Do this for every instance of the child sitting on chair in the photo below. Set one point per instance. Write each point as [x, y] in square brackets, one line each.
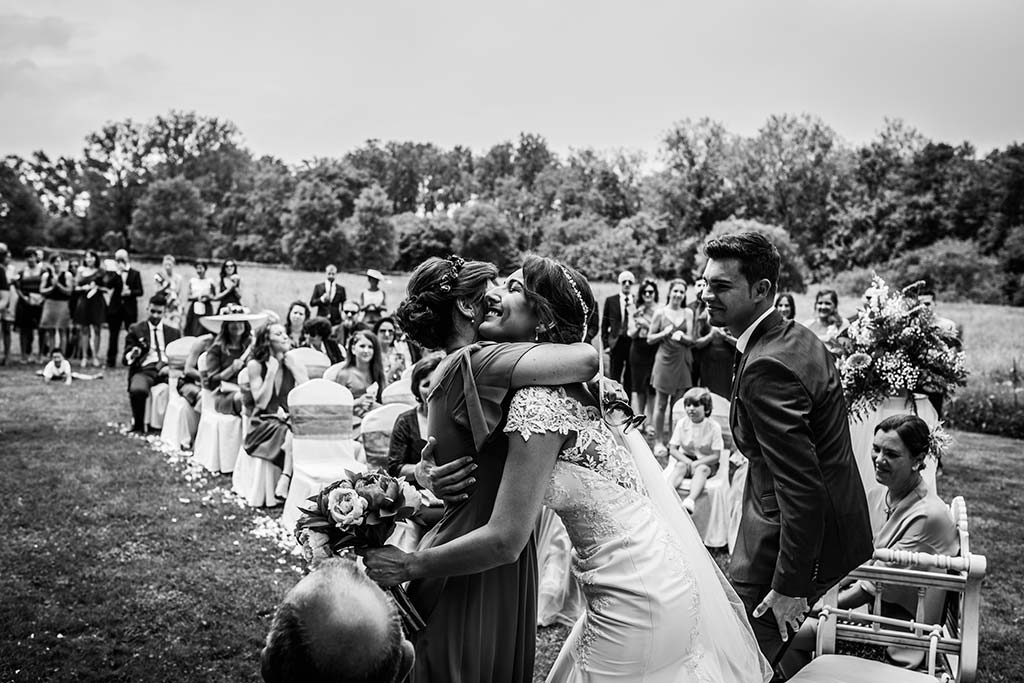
[695, 446]
[59, 370]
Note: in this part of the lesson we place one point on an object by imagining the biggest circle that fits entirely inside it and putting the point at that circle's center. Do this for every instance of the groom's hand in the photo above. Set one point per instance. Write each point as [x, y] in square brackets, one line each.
[788, 611]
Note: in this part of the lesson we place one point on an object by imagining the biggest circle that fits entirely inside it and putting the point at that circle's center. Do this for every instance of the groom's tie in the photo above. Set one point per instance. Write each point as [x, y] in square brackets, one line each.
[737, 357]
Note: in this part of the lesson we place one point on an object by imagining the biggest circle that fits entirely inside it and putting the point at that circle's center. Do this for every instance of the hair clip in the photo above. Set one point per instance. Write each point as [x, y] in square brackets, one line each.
[455, 264]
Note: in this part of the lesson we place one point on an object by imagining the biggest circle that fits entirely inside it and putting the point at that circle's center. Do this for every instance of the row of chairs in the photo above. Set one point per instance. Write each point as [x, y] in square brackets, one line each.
[323, 445]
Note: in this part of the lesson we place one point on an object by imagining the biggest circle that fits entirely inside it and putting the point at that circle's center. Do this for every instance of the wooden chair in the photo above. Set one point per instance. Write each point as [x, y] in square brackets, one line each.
[950, 641]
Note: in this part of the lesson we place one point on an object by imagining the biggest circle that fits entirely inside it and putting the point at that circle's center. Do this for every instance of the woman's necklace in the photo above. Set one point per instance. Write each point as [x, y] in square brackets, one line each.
[891, 505]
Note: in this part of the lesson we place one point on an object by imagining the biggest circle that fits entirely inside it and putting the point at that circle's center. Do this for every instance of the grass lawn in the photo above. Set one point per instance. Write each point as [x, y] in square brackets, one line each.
[122, 562]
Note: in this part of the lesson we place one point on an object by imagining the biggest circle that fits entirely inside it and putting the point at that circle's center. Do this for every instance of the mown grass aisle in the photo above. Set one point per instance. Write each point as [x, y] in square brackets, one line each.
[120, 562]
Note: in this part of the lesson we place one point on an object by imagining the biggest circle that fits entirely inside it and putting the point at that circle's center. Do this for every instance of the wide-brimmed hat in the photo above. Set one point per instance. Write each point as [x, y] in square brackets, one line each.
[374, 273]
[213, 322]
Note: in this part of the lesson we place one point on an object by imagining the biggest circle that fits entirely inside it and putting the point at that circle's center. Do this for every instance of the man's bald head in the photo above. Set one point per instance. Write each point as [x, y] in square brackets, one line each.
[335, 625]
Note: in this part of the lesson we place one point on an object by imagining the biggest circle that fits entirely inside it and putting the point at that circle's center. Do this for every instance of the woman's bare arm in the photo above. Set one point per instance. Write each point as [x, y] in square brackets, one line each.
[555, 364]
[524, 480]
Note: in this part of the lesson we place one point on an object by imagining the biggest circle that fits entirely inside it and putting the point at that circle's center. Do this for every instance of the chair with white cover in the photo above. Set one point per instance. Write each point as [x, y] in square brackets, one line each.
[375, 432]
[945, 630]
[323, 442]
[399, 391]
[180, 419]
[218, 436]
[254, 479]
[315, 362]
[712, 510]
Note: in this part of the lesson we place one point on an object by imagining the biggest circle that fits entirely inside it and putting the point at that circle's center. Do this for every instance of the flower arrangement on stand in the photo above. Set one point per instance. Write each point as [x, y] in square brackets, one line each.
[358, 512]
[895, 348]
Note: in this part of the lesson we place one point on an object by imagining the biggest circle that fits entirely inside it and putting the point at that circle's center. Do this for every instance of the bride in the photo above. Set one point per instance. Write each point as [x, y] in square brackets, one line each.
[658, 608]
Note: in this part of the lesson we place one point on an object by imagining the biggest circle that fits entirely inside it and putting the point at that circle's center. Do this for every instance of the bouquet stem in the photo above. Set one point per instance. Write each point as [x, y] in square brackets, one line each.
[411, 619]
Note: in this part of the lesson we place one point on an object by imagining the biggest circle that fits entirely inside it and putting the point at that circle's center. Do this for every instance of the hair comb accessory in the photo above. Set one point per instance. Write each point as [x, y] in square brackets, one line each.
[939, 441]
[455, 264]
[579, 297]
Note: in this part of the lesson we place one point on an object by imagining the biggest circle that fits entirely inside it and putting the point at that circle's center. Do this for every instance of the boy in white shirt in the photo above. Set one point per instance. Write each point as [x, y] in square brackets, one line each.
[59, 370]
[695, 446]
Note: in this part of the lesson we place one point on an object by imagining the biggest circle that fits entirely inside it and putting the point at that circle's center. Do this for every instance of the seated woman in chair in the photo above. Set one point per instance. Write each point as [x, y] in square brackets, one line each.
[916, 521]
[271, 376]
[225, 359]
[363, 372]
[695, 446]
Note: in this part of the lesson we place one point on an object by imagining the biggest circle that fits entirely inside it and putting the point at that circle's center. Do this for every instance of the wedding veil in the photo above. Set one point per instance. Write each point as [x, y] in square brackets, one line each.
[725, 638]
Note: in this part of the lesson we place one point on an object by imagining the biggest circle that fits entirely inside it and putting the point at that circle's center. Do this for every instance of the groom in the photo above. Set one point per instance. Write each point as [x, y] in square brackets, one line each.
[805, 520]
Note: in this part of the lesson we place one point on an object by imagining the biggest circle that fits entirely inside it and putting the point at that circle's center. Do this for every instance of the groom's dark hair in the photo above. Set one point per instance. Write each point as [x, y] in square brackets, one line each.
[758, 258]
[291, 655]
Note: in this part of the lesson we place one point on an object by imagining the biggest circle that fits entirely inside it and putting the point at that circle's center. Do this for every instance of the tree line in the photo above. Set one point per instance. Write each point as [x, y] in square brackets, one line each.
[186, 184]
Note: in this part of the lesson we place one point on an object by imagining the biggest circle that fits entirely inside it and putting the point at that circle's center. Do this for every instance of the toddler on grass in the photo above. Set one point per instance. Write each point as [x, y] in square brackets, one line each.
[59, 370]
[695, 446]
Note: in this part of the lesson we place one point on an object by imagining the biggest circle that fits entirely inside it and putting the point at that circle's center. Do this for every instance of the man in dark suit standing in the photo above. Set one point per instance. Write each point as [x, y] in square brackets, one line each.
[614, 323]
[123, 308]
[146, 355]
[805, 520]
[328, 296]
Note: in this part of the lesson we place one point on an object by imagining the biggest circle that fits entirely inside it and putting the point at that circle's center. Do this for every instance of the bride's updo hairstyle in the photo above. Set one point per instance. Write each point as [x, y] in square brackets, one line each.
[427, 312]
[562, 299]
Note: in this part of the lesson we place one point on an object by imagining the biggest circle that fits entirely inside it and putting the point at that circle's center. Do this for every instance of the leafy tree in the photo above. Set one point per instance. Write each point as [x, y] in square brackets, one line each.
[314, 236]
[23, 221]
[170, 218]
[492, 167]
[482, 233]
[114, 174]
[793, 270]
[420, 238]
[531, 157]
[587, 241]
[955, 268]
[370, 230]
[251, 224]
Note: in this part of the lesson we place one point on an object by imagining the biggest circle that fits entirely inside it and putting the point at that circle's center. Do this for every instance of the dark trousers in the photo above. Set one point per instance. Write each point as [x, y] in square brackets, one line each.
[766, 629]
[117, 321]
[139, 384]
[619, 357]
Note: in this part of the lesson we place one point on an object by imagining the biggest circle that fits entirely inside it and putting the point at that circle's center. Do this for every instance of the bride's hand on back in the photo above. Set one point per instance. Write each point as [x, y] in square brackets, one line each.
[449, 482]
[387, 566]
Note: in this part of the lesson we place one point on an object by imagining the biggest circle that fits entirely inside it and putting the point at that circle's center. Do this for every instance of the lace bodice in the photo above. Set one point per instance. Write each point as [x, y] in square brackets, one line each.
[545, 409]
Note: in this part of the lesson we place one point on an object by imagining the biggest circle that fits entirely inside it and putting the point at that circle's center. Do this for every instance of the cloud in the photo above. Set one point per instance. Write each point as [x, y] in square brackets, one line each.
[19, 32]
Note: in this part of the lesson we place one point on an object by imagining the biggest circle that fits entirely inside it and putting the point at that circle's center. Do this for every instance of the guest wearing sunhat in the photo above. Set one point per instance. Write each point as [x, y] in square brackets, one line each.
[228, 354]
[372, 300]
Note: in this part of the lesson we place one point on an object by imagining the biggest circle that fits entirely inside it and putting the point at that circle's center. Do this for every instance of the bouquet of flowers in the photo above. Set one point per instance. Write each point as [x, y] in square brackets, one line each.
[358, 512]
[894, 347]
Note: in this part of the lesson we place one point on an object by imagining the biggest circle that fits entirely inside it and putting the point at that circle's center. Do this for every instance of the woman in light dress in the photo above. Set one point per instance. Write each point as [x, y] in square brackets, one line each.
[168, 283]
[658, 608]
[672, 331]
[201, 290]
[827, 324]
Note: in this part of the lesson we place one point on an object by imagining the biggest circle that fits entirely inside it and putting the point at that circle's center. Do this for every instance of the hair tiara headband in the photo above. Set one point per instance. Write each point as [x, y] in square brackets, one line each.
[579, 297]
[455, 264]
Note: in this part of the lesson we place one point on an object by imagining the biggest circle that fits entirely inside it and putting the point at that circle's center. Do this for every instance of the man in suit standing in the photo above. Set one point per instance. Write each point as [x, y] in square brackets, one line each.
[328, 296]
[146, 356]
[123, 307]
[614, 323]
[805, 521]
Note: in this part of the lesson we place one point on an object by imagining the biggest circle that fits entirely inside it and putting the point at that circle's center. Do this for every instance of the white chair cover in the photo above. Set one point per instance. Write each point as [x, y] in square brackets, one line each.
[180, 420]
[711, 515]
[323, 444]
[254, 479]
[218, 436]
[375, 431]
[862, 435]
[399, 391]
[315, 362]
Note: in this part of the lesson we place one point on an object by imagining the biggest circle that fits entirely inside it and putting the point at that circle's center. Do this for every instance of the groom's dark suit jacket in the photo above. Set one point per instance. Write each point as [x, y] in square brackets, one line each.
[805, 518]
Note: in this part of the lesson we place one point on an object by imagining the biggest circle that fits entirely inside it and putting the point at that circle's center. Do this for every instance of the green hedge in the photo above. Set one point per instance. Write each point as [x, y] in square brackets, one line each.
[989, 410]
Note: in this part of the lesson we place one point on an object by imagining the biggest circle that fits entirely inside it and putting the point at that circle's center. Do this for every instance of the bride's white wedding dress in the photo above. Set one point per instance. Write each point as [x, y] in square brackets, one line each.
[657, 607]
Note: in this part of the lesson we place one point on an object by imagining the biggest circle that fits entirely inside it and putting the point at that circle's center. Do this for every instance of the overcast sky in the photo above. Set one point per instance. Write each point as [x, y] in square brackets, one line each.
[317, 78]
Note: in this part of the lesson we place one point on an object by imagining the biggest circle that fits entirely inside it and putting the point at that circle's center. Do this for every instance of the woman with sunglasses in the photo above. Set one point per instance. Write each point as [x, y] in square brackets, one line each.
[657, 609]
[641, 354]
[229, 285]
